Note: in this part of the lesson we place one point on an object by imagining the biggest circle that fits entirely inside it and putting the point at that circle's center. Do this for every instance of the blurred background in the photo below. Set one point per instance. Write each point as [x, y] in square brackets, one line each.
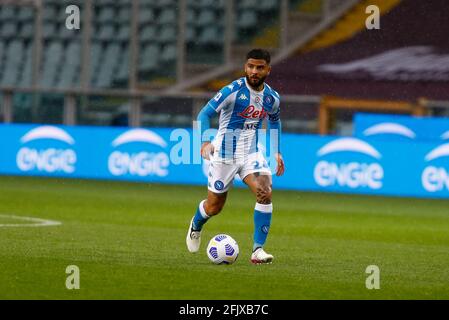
[156, 62]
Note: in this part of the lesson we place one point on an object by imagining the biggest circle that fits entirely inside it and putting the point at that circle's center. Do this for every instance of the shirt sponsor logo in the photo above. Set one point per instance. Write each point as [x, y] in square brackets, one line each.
[251, 112]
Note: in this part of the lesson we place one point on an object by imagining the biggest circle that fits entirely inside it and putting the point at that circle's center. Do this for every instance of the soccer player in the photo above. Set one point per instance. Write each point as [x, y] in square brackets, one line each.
[243, 105]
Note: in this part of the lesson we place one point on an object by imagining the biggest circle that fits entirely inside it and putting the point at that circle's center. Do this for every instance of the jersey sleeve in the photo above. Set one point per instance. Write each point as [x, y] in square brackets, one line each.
[222, 98]
[274, 123]
[275, 114]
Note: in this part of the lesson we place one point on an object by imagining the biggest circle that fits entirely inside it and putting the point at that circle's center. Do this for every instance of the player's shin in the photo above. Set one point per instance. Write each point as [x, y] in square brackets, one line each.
[200, 217]
[262, 222]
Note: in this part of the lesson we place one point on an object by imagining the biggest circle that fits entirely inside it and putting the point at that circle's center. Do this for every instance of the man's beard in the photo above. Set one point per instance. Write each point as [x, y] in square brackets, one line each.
[256, 84]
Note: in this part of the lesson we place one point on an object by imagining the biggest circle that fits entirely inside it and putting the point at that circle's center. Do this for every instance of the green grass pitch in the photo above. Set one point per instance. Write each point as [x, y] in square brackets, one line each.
[128, 241]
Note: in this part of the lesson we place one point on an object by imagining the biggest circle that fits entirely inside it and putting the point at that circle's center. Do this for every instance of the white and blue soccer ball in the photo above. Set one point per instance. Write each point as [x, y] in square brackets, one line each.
[222, 249]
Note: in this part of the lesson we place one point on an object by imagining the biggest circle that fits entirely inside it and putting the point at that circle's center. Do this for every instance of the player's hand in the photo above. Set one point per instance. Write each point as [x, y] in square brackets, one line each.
[280, 167]
[207, 149]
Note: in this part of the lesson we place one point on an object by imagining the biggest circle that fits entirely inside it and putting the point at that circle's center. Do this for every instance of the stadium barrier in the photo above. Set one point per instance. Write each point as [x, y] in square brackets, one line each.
[400, 127]
[314, 163]
[329, 104]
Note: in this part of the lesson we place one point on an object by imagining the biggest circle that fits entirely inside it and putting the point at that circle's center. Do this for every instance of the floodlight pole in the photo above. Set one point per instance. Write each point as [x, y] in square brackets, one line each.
[37, 56]
[229, 31]
[86, 45]
[134, 45]
[135, 106]
[181, 52]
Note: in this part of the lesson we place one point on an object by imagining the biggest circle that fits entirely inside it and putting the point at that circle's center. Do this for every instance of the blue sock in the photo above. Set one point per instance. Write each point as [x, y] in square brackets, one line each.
[200, 217]
[262, 222]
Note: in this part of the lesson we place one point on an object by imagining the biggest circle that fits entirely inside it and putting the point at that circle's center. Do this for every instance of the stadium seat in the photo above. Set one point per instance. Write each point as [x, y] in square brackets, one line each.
[247, 20]
[53, 56]
[165, 3]
[49, 13]
[26, 14]
[190, 35]
[52, 2]
[72, 61]
[146, 16]
[167, 17]
[108, 66]
[124, 15]
[49, 30]
[206, 4]
[190, 17]
[66, 34]
[149, 57]
[107, 3]
[148, 3]
[211, 4]
[27, 31]
[14, 58]
[211, 35]
[148, 34]
[95, 56]
[248, 4]
[167, 34]
[9, 30]
[66, 3]
[126, 3]
[25, 79]
[122, 74]
[106, 15]
[206, 17]
[8, 13]
[168, 53]
[15, 51]
[268, 5]
[124, 33]
[106, 33]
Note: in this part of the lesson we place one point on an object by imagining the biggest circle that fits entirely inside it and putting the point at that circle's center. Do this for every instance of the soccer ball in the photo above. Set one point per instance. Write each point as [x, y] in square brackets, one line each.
[222, 249]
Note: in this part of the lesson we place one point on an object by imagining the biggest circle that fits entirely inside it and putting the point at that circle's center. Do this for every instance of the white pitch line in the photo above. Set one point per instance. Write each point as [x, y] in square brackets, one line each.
[37, 222]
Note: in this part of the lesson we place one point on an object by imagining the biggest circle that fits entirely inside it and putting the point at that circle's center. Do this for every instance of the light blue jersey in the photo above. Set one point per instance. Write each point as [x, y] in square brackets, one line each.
[242, 111]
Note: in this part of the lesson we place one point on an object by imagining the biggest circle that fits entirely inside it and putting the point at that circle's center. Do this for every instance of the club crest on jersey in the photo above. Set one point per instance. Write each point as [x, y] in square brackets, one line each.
[269, 100]
[252, 113]
[219, 185]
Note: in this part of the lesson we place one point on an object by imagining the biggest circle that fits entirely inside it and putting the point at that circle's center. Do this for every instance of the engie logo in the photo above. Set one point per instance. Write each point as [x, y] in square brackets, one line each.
[436, 177]
[344, 173]
[39, 156]
[136, 160]
[390, 128]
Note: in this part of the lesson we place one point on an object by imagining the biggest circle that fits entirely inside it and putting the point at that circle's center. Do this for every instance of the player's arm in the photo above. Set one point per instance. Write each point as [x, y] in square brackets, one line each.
[207, 113]
[275, 127]
[211, 109]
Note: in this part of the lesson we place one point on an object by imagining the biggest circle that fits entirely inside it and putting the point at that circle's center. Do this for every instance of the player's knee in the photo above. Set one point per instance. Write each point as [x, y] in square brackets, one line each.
[264, 194]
